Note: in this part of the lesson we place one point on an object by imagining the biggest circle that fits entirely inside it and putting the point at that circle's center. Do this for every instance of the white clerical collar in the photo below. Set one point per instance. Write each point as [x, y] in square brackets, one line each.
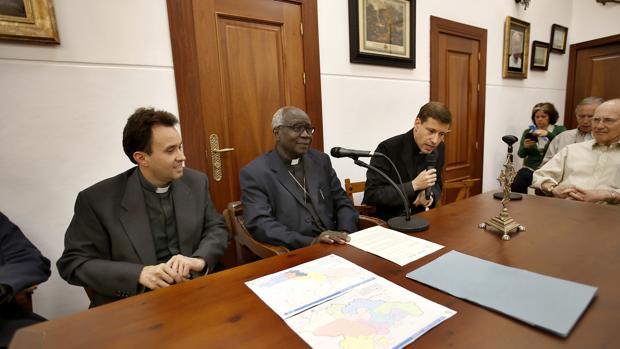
[162, 190]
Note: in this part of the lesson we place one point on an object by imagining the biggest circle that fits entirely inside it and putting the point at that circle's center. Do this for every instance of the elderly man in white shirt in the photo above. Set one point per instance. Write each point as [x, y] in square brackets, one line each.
[583, 113]
[587, 171]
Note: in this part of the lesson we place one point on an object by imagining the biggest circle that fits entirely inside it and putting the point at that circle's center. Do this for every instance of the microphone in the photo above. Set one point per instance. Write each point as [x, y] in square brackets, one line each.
[431, 163]
[339, 152]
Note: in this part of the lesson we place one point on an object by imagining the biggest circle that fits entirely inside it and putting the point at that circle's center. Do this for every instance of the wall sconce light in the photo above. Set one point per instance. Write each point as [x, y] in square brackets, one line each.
[525, 3]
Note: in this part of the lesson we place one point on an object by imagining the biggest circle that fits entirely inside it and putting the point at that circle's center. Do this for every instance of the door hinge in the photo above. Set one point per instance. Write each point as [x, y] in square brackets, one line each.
[304, 76]
[478, 56]
[478, 87]
[301, 29]
[476, 145]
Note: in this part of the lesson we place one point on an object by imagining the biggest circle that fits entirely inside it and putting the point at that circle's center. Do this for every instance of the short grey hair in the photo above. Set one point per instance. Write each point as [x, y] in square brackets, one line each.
[278, 118]
[590, 100]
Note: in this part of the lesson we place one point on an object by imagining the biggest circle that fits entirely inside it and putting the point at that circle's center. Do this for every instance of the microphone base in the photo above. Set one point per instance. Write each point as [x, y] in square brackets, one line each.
[414, 224]
[513, 196]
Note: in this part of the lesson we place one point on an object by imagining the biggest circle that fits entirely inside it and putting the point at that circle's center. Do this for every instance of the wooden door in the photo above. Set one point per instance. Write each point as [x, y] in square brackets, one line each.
[593, 70]
[236, 62]
[458, 79]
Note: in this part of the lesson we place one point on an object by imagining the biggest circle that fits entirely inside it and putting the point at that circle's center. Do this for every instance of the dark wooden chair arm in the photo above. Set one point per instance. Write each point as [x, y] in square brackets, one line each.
[23, 298]
[247, 248]
[367, 222]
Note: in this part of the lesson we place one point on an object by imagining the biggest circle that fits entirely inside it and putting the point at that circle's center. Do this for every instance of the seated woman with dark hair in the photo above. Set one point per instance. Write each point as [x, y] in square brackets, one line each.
[534, 143]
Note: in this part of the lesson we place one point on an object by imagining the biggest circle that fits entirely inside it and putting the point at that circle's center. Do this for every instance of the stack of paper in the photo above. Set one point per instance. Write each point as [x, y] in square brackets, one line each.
[392, 245]
[333, 303]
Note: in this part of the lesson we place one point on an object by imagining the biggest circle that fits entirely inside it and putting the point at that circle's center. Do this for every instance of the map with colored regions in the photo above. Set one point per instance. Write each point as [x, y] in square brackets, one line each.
[378, 314]
[296, 289]
[333, 303]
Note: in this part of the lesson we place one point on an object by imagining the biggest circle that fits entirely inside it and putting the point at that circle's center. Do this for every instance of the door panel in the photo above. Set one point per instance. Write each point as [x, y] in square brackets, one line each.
[246, 59]
[593, 70]
[457, 80]
[254, 54]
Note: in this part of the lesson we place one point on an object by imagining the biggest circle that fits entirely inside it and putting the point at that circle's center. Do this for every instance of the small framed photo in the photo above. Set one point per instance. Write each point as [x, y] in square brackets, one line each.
[382, 32]
[29, 20]
[558, 38]
[540, 56]
[516, 48]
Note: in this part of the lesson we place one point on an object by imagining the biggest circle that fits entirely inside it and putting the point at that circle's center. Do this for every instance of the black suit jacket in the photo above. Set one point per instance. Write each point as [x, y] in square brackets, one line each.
[274, 208]
[109, 240]
[405, 154]
[21, 266]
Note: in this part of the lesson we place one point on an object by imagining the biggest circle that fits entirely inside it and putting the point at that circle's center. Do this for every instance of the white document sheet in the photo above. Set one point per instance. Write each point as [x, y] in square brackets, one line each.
[392, 245]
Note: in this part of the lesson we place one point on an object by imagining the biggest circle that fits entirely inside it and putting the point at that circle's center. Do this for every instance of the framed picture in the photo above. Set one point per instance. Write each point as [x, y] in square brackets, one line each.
[540, 56]
[516, 47]
[382, 32]
[558, 38]
[30, 20]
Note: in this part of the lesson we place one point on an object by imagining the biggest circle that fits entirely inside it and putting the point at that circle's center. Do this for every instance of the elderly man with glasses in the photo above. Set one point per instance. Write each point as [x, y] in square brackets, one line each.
[291, 194]
[587, 171]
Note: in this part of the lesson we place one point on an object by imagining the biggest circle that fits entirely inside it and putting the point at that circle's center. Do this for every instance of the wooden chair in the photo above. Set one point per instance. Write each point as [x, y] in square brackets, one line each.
[249, 249]
[358, 187]
[23, 298]
[464, 186]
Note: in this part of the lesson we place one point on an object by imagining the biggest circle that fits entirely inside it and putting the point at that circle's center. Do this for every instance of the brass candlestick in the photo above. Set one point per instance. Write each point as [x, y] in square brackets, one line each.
[503, 222]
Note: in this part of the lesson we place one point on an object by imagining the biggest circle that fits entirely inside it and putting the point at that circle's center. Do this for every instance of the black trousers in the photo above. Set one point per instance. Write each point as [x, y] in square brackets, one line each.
[522, 180]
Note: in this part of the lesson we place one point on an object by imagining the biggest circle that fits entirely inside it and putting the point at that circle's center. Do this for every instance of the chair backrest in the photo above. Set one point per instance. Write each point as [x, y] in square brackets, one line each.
[358, 187]
[463, 186]
[248, 249]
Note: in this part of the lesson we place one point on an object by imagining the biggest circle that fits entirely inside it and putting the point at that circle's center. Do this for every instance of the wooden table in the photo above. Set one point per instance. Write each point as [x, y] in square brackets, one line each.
[570, 240]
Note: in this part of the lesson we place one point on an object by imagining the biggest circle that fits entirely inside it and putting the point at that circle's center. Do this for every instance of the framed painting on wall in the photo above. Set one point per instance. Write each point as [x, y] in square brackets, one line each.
[29, 20]
[540, 56]
[516, 47]
[558, 38]
[382, 32]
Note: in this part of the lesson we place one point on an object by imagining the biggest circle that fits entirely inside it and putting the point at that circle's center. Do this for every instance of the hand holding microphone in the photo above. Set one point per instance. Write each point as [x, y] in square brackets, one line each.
[426, 179]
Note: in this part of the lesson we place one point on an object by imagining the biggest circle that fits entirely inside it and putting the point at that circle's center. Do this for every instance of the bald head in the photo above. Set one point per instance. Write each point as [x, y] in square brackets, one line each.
[606, 122]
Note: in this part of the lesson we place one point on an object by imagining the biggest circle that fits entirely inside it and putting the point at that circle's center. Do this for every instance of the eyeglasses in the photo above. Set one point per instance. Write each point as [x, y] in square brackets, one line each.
[299, 128]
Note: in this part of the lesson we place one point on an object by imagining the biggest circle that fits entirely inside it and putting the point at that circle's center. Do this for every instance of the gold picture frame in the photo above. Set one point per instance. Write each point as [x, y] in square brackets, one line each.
[28, 20]
[516, 48]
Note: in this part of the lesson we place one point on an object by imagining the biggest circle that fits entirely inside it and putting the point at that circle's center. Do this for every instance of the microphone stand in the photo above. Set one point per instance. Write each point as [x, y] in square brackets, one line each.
[404, 223]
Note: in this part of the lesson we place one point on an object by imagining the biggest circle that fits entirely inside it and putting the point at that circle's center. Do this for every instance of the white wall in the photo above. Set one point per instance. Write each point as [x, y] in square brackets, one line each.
[592, 20]
[386, 100]
[62, 108]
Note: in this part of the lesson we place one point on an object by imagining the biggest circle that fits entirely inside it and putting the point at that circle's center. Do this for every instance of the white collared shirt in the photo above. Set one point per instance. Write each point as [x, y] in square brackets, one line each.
[586, 165]
[562, 140]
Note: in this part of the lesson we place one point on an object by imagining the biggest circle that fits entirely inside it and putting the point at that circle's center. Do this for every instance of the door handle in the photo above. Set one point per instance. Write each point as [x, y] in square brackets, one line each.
[225, 150]
[216, 159]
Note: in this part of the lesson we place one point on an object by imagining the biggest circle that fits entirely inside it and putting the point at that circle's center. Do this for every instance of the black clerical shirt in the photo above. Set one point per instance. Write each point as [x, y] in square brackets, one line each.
[160, 209]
